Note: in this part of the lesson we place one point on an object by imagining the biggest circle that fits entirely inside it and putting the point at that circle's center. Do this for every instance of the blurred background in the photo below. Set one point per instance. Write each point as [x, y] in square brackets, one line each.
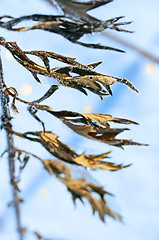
[47, 206]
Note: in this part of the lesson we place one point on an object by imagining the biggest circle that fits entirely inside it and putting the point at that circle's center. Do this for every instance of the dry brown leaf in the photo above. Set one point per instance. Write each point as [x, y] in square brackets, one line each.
[93, 162]
[61, 151]
[80, 189]
[91, 125]
[86, 78]
[57, 168]
[73, 25]
[102, 119]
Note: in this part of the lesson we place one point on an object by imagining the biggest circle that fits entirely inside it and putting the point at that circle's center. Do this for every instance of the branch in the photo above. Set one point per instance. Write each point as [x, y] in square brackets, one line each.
[6, 124]
[132, 46]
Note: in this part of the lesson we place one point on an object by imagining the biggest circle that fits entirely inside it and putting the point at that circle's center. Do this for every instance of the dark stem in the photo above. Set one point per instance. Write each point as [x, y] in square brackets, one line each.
[6, 124]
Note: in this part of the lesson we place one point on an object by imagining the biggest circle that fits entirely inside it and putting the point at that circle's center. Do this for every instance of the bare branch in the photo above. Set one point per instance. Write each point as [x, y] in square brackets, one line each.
[132, 46]
[6, 124]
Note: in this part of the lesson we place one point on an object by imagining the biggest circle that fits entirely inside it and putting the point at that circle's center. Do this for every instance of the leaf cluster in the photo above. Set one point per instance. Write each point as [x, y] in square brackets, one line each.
[94, 126]
[72, 25]
[86, 77]
[79, 188]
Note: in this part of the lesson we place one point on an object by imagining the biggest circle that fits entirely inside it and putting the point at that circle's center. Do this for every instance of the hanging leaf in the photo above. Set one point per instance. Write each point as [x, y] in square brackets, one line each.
[73, 25]
[91, 126]
[61, 151]
[102, 119]
[57, 168]
[93, 162]
[77, 10]
[87, 79]
[80, 189]
[105, 135]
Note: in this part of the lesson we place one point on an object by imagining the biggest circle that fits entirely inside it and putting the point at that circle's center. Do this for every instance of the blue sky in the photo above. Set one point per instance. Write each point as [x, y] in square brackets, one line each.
[136, 188]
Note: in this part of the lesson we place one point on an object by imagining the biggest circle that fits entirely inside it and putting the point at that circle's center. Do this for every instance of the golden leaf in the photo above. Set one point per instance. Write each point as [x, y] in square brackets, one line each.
[93, 162]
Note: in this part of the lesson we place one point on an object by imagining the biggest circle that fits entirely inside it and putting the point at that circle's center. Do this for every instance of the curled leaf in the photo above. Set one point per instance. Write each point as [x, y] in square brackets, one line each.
[95, 126]
[80, 189]
[93, 162]
[72, 26]
[14, 108]
[102, 119]
[86, 78]
[63, 152]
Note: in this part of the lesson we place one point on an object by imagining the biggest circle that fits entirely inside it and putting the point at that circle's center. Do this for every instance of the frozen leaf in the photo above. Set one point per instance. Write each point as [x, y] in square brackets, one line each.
[77, 10]
[95, 126]
[102, 119]
[105, 135]
[93, 161]
[80, 189]
[63, 152]
[71, 28]
[14, 109]
[92, 125]
[85, 79]
[57, 168]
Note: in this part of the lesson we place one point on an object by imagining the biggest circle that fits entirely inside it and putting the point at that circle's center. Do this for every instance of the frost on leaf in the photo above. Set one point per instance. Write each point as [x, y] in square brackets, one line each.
[80, 189]
[63, 152]
[85, 79]
[95, 126]
[72, 25]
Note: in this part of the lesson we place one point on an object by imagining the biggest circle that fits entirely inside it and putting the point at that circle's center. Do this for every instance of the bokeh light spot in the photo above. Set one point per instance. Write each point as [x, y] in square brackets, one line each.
[87, 109]
[43, 193]
[26, 89]
[150, 68]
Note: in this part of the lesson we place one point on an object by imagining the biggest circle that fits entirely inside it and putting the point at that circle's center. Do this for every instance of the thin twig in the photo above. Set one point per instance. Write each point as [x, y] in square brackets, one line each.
[6, 124]
[28, 153]
[132, 46]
